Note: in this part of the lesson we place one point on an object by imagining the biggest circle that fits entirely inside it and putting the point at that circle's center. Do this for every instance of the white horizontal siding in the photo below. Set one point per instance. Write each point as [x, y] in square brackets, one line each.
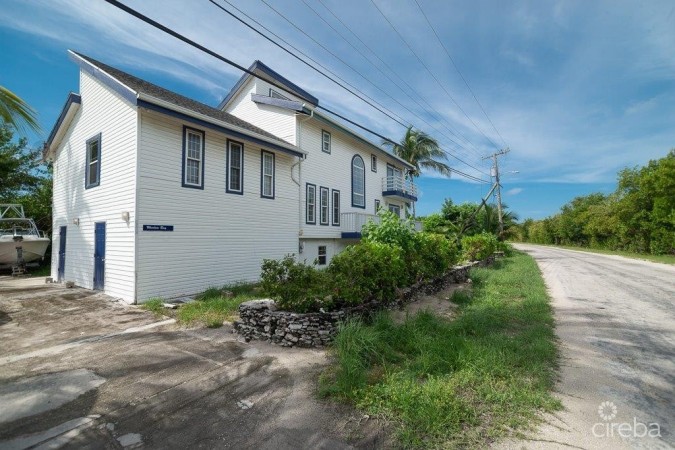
[102, 111]
[334, 171]
[277, 121]
[218, 237]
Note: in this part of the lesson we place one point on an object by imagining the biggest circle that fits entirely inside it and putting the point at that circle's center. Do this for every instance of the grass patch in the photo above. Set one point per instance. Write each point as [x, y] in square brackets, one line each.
[155, 305]
[664, 259]
[44, 270]
[460, 383]
[216, 305]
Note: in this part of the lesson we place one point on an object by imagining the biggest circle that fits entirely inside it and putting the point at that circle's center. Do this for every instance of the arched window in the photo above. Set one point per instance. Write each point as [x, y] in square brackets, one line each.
[358, 182]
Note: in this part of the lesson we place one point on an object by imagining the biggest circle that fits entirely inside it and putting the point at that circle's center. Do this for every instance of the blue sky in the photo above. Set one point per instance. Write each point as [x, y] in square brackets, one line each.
[578, 90]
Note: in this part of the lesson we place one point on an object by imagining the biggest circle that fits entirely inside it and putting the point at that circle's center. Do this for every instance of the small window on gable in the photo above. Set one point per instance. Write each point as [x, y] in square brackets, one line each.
[93, 170]
[193, 158]
[322, 255]
[373, 163]
[325, 141]
[235, 167]
[267, 174]
[324, 206]
[275, 94]
[336, 207]
[310, 204]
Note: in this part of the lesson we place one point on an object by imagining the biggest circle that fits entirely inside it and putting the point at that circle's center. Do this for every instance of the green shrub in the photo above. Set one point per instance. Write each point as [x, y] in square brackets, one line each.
[295, 286]
[391, 231]
[431, 257]
[479, 246]
[367, 271]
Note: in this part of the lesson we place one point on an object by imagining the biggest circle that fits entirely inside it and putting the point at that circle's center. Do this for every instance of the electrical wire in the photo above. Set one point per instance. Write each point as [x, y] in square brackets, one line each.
[459, 72]
[431, 73]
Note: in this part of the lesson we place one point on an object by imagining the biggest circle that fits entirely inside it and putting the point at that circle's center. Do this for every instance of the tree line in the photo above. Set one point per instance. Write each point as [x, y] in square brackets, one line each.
[639, 216]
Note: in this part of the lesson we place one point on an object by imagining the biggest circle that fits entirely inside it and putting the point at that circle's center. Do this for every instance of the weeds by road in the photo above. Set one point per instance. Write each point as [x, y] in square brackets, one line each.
[460, 383]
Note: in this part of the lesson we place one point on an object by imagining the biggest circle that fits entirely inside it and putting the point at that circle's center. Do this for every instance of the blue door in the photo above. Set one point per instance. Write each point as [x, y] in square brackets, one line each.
[99, 255]
[61, 275]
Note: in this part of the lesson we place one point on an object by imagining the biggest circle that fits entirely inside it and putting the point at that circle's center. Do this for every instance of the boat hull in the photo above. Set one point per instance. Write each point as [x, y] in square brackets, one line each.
[34, 249]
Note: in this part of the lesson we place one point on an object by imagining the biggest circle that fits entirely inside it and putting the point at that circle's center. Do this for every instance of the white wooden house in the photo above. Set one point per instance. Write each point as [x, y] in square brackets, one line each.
[158, 195]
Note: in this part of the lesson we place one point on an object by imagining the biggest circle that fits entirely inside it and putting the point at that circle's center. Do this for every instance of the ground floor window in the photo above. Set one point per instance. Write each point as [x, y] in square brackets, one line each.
[395, 209]
[322, 255]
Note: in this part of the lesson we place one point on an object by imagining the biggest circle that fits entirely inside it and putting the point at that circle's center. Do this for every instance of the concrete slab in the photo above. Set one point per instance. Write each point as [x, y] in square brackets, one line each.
[165, 386]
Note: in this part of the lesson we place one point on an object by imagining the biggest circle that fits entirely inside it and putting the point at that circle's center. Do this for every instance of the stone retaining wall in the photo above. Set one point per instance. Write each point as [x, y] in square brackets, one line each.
[261, 320]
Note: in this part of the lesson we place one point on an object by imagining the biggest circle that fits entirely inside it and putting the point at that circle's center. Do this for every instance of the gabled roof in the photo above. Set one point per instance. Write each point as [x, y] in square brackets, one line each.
[148, 95]
[266, 73]
[67, 112]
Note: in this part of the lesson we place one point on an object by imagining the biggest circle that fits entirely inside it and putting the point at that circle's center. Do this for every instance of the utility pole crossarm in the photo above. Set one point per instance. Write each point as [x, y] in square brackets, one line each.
[494, 156]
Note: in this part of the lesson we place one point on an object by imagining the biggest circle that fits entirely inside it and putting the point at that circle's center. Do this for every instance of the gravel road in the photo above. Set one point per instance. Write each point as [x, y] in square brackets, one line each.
[615, 319]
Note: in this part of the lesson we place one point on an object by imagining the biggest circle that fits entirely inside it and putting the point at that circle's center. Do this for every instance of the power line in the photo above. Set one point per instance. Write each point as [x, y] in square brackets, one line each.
[395, 72]
[459, 72]
[212, 53]
[389, 78]
[431, 73]
[397, 85]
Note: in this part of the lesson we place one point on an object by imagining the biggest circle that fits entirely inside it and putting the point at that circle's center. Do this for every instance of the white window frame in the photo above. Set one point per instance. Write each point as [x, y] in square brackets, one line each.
[235, 146]
[396, 209]
[324, 205]
[336, 207]
[373, 163]
[325, 141]
[359, 203]
[187, 133]
[310, 206]
[275, 94]
[88, 182]
[265, 155]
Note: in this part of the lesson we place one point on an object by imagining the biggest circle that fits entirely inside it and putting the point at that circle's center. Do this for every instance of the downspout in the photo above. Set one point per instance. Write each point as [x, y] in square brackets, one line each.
[299, 181]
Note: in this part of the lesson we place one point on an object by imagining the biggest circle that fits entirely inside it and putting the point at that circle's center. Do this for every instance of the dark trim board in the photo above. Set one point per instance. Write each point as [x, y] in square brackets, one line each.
[73, 98]
[219, 128]
[351, 235]
[399, 194]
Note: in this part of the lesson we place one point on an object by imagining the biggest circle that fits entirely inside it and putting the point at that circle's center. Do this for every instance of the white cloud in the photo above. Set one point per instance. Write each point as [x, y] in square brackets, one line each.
[514, 191]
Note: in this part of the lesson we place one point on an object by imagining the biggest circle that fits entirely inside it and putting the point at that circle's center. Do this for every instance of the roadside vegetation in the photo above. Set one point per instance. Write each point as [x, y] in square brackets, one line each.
[211, 308]
[639, 217]
[461, 383]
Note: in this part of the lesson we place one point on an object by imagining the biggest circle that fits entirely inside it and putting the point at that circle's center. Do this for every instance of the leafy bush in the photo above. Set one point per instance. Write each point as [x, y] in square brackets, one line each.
[367, 271]
[391, 231]
[431, 257]
[479, 246]
[295, 286]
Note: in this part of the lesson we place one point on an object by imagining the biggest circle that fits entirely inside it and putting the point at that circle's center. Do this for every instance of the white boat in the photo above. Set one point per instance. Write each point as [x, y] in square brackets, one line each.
[19, 237]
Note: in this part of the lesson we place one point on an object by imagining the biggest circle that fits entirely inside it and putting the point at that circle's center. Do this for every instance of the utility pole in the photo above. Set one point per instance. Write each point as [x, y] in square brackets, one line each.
[495, 168]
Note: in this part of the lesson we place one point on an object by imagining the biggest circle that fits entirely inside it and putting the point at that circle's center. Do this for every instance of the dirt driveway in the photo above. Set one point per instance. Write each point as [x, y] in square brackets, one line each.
[79, 370]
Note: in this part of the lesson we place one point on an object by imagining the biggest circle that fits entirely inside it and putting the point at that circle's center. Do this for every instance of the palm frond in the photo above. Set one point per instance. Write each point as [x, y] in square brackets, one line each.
[16, 112]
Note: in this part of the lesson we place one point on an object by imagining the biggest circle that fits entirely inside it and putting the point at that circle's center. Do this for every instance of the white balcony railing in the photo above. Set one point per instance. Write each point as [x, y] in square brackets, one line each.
[399, 185]
[354, 222]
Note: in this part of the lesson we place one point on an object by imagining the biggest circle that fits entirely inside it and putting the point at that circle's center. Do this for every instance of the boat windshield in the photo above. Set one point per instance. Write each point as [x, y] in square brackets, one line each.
[18, 227]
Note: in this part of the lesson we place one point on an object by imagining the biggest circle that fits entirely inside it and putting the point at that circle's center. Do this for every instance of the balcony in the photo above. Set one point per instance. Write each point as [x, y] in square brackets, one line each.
[399, 188]
[352, 223]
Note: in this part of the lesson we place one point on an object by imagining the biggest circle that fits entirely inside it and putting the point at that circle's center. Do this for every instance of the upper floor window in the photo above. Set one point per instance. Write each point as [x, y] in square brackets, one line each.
[267, 175]
[235, 167]
[275, 94]
[325, 141]
[358, 182]
[373, 163]
[324, 210]
[92, 177]
[336, 207]
[310, 204]
[193, 158]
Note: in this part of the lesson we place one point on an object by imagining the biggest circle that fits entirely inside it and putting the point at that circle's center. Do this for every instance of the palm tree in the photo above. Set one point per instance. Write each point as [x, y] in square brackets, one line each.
[420, 150]
[15, 112]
